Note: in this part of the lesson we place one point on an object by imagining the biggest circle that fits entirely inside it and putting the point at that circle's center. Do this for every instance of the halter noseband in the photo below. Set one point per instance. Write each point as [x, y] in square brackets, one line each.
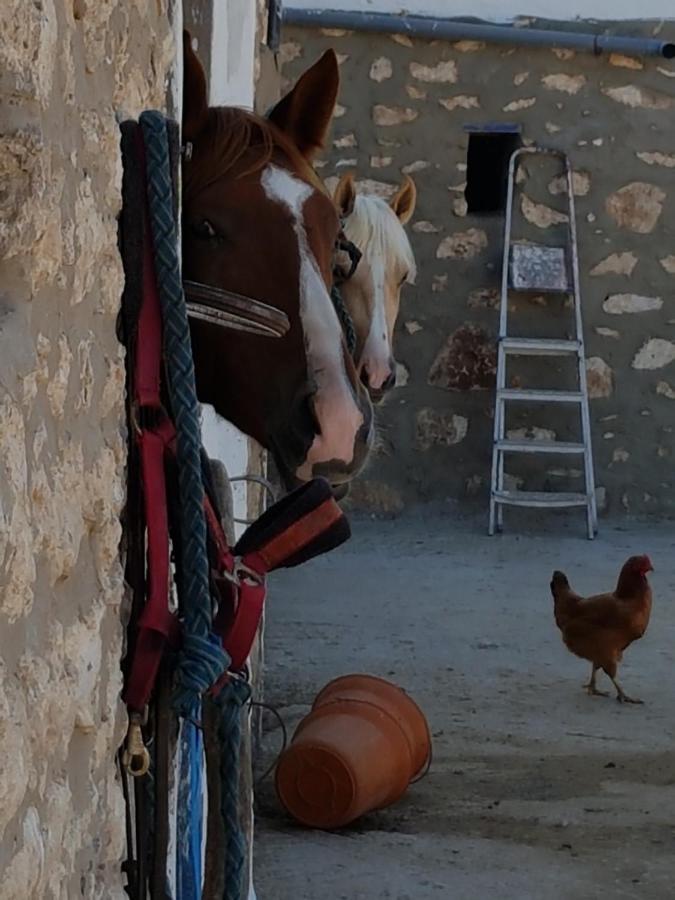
[227, 309]
[344, 245]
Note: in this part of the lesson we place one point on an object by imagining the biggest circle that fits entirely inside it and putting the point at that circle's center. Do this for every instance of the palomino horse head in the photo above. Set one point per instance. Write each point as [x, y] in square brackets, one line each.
[257, 221]
[372, 295]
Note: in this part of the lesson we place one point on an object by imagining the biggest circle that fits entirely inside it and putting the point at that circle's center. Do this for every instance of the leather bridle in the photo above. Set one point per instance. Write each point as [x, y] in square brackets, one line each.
[227, 309]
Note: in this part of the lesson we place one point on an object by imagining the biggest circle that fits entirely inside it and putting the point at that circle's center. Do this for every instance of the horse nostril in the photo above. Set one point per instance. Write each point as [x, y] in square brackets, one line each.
[311, 410]
[390, 382]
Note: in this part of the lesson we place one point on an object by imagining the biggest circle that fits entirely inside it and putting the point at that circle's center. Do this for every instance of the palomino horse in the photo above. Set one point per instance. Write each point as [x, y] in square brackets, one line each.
[258, 221]
[372, 295]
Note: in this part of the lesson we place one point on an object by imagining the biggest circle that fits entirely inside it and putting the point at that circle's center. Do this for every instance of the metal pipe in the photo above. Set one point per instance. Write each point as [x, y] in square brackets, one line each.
[457, 30]
[273, 24]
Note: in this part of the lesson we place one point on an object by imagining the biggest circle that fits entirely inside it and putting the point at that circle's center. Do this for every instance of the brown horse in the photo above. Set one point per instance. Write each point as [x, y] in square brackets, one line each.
[259, 222]
[372, 295]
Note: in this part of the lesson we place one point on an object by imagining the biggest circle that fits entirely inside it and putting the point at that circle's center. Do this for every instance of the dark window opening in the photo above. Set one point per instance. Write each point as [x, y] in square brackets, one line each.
[487, 167]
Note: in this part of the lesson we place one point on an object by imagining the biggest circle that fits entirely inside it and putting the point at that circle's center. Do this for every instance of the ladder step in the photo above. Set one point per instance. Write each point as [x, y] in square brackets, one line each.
[539, 346]
[542, 499]
[538, 267]
[532, 396]
[532, 446]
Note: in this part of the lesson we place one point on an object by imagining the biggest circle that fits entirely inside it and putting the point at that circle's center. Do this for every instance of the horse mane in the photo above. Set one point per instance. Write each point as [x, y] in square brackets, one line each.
[229, 135]
[372, 226]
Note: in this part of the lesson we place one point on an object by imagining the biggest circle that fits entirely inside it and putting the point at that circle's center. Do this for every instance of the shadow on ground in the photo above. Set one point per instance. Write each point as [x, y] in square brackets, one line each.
[536, 792]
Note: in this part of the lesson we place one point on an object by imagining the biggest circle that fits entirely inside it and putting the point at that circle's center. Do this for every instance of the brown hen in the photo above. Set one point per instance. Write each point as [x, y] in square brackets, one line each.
[600, 628]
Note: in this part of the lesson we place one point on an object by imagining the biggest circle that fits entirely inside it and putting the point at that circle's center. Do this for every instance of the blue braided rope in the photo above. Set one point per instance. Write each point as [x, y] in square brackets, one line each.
[231, 700]
[189, 814]
[202, 658]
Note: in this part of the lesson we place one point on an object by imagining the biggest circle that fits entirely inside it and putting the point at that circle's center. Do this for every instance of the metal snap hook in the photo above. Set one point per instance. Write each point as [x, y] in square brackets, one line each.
[136, 758]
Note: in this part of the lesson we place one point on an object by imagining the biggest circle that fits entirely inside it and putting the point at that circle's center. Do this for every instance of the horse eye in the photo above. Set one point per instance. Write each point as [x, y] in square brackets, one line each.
[204, 229]
[341, 264]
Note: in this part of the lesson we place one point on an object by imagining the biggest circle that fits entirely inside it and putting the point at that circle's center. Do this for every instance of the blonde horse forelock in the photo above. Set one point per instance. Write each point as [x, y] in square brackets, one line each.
[374, 228]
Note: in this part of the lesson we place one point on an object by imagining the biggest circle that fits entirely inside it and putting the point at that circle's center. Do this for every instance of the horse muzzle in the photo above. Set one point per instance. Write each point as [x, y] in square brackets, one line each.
[378, 377]
[338, 472]
[377, 395]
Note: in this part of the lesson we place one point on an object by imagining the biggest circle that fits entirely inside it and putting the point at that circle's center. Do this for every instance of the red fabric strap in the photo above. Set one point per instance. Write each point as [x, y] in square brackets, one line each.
[239, 637]
[225, 556]
[155, 623]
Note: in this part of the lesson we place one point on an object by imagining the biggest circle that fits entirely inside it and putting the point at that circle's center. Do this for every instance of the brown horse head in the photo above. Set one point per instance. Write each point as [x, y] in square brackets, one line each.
[259, 222]
[372, 295]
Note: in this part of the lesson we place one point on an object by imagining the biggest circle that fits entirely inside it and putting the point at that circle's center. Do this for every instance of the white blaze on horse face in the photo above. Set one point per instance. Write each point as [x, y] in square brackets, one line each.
[335, 406]
[377, 356]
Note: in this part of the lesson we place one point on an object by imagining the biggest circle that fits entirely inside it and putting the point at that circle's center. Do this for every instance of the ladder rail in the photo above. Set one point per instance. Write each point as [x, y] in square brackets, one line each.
[500, 459]
[508, 221]
[572, 232]
[497, 474]
[592, 511]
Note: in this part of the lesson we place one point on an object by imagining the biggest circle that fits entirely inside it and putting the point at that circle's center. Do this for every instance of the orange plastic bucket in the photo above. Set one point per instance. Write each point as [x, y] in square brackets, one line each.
[391, 699]
[356, 751]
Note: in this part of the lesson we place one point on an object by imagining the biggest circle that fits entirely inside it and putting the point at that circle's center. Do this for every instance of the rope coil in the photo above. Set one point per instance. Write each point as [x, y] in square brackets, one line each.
[231, 700]
[202, 659]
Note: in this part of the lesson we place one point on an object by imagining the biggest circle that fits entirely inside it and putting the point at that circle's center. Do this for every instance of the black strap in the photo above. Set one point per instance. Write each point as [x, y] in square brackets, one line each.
[129, 866]
[216, 837]
[142, 838]
[285, 513]
[131, 228]
[162, 755]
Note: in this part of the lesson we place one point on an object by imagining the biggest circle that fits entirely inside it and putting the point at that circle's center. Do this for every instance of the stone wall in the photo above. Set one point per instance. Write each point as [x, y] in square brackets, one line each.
[403, 107]
[68, 73]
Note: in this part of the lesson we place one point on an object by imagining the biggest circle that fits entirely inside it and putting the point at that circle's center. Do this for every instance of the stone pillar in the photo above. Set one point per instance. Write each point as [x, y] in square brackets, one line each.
[68, 74]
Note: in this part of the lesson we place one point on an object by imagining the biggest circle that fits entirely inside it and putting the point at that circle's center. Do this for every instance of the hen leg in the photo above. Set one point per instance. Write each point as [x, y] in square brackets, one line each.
[621, 695]
[591, 688]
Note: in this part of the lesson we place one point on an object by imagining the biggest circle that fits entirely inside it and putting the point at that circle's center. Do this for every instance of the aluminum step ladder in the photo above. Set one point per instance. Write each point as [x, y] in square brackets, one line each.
[540, 268]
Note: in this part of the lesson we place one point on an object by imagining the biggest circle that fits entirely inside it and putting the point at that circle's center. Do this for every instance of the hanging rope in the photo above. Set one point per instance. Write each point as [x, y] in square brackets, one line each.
[345, 318]
[202, 659]
[340, 275]
[231, 701]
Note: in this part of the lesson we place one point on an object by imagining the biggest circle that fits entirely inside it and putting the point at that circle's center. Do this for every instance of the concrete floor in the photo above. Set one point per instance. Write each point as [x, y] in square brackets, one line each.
[537, 791]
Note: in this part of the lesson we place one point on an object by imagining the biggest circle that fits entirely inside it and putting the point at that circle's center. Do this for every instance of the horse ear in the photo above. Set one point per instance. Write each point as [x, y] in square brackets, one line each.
[403, 201]
[345, 195]
[195, 96]
[305, 113]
